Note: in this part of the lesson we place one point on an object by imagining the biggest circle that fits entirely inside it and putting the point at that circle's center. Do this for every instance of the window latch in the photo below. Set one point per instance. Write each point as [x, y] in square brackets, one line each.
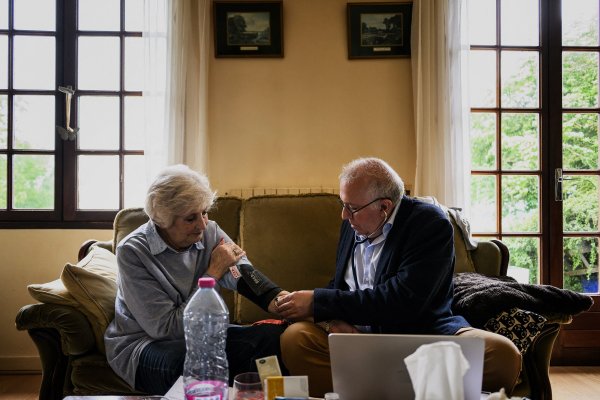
[559, 178]
[67, 133]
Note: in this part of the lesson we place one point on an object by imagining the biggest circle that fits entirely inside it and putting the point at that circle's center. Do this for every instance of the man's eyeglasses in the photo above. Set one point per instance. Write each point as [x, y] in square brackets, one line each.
[353, 210]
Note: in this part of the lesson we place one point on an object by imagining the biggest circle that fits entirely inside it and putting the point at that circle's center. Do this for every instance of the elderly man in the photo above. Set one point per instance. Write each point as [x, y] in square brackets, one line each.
[395, 262]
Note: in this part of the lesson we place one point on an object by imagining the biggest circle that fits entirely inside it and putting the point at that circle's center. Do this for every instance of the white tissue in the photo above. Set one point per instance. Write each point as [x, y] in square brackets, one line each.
[436, 371]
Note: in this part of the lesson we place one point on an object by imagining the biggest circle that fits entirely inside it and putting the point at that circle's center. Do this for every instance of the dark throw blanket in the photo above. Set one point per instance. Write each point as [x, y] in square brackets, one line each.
[478, 298]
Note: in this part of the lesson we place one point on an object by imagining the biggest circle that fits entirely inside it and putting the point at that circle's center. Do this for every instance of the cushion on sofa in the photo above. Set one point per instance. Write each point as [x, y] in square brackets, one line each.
[93, 283]
[522, 327]
[52, 293]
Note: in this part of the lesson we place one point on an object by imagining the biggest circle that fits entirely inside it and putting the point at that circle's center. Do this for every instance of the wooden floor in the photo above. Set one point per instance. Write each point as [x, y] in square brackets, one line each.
[581, 383]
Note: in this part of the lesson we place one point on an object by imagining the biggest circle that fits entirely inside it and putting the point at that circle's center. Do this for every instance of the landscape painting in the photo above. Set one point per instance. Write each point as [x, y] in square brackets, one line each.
[379, 30]
[248, 29]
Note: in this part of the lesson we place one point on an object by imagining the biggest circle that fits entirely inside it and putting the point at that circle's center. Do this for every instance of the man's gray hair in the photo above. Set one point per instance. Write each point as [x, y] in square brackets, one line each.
[177, 191]
[383, 180]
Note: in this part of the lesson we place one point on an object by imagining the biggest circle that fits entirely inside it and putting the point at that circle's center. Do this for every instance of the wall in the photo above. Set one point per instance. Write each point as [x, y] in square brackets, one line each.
[293, 121]
[288, 122]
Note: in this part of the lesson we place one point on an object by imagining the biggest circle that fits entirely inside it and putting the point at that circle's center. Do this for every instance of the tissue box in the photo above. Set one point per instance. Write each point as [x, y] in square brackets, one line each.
[289, 386]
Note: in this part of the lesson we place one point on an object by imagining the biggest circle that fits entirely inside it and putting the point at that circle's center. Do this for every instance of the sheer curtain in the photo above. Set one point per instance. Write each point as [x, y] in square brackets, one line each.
[176, 46]
[439, 66]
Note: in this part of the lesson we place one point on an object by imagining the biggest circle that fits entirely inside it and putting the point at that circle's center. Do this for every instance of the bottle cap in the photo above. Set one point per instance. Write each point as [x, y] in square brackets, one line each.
[206, 282]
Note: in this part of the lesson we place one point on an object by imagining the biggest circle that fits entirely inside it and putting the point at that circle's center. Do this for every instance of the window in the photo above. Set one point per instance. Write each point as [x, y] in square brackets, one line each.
[94, 47]
[534, 136]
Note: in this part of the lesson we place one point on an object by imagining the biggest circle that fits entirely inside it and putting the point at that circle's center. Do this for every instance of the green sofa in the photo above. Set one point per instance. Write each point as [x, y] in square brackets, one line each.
[291, 238]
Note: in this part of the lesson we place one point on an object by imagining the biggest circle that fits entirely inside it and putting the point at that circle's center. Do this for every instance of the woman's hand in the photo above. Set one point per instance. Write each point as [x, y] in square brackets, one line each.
[223, 256]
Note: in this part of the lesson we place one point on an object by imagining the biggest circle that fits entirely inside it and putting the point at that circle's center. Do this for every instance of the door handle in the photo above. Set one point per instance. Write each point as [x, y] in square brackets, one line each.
[559, 178]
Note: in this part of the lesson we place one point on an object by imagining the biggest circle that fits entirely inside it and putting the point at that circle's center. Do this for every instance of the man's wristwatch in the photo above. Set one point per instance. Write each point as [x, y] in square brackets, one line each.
[325, 325]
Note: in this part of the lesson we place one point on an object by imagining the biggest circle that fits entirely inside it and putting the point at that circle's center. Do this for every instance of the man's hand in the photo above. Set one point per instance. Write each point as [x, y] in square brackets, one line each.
[337, 326]
[275, 302]
[296, 305]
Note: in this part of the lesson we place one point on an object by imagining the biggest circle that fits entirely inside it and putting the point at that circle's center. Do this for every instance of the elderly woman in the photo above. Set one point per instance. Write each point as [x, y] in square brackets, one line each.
[159, 266]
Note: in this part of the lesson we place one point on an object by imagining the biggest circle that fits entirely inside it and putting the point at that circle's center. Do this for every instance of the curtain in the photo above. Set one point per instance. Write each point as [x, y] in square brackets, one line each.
[176, 45]
[439, 47]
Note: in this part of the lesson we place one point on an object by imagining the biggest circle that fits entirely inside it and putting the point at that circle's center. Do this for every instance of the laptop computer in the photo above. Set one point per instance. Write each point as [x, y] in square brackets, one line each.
[371, 366]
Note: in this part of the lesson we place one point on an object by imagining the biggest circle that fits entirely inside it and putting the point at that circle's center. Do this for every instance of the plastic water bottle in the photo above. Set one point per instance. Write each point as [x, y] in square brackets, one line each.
[205, 321]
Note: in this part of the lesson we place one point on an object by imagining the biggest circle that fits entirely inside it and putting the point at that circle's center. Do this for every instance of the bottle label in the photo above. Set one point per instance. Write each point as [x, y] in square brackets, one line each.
[206, 390]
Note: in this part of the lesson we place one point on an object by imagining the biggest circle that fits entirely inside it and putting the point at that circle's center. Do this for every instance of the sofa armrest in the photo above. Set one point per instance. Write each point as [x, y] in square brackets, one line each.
[536, 362]
[76, 336]
[88, 244]
[490, 258]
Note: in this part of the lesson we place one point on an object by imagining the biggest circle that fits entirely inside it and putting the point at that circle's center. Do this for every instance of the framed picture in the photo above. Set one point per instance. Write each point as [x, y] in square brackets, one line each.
[248, 29]
[379, 30]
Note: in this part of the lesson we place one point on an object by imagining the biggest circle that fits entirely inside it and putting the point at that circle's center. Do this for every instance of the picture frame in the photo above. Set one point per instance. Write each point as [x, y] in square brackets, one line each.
[248, 29]
[379, 30]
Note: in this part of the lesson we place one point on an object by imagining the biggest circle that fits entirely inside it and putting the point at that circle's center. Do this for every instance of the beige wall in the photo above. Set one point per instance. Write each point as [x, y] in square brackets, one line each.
[289, 122]
[293, 121]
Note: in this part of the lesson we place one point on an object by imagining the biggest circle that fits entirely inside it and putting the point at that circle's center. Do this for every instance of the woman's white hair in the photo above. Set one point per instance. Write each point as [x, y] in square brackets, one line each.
[177, 191]
[383, 180]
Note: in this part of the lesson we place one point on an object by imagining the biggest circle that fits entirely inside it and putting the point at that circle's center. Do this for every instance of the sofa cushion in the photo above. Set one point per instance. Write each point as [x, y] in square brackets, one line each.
[52, 293]
[520, 326]
[93, 283]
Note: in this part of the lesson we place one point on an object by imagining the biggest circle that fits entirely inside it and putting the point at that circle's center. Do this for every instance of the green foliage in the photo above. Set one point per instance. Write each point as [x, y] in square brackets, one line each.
[33, 182]
[520, 194]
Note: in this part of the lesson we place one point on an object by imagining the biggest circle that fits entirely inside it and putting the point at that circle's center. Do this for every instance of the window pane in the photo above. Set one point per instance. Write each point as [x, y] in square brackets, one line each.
[483, 141]
[580, 141]
[134, 15]
[580, 23]
[34, 126]
[482, 21]
[135, 184]
[38, 15]
[580, 264]
[520, 141]
[520, 203]
[34, 62]
[33, 182]
[580, 204]
[3, 62]
[3, 121]
[3, 14]
[524, 261]
[3, 192]
[134, 63]
[98, 61]
[98, 191]
[520, 79]
[134, 123]
[580, 79]
[483, 83]
[483, 199]
[520, 22]
[99, 122]
[97, 15]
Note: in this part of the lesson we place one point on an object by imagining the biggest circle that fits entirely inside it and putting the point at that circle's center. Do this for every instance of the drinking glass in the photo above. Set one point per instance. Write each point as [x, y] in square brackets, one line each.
[247, 386]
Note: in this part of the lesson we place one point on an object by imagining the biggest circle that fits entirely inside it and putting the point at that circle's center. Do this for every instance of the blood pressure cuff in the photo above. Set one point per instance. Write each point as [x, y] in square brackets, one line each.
[256, 287]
